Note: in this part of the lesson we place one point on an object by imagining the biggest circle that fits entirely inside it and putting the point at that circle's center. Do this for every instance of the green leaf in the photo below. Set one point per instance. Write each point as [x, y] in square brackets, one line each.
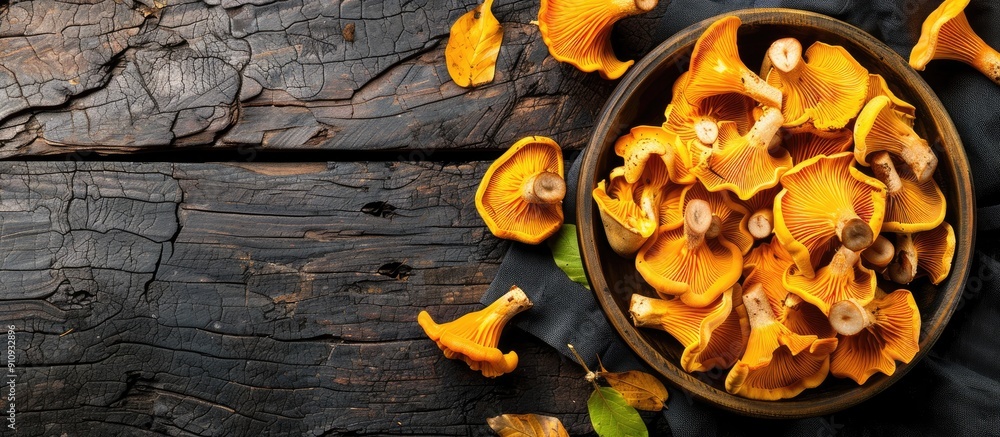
[612, 416]
[566, 253]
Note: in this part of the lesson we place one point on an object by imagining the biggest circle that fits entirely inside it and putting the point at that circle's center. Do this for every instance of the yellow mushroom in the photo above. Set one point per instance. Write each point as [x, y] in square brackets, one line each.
[579, 32]
[935, 249]
[520, 196]
[879, 128]
[786, 376]
[877, 86]
[700, 122]
[716, 68]
[875, 336]
[692, 327]
[827, 88]
[804, 142]
[626, 224]
[844, 278]
[767, 333]
[473, 337]
[642, 143]
[728, 217]
[824, 198]
[760, 222]
[911, 205]
[727, 343]
[946, 34]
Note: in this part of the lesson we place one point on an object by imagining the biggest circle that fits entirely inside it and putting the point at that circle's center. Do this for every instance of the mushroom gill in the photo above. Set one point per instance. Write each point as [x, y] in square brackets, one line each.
[875, 336]
[879, 127]
[692, 327]
[716, 68]
[844, 278]
[911, 205]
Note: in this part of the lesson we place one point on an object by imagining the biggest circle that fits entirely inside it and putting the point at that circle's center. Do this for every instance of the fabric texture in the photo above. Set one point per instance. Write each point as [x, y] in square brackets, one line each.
[955, 389]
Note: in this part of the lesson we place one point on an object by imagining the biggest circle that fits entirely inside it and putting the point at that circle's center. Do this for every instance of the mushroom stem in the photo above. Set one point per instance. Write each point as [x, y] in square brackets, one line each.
[646, 312]
[545, 188]
[511, 303]
[988, 63]
[707, 131]
[919, 156]
[697, 222]
[715, 228]
[854, 233]
[757, 306]
[645, 5]
[885, 171]
[903, 268]
[880, 253]
[763, 131]
[792, 300]
[849, 317]
[843, 261]
[761, 223]
[785, 54]
[758, 89]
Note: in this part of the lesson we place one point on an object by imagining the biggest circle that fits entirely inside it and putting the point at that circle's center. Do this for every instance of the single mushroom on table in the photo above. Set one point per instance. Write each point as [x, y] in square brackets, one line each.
[716, 68]
[520, 196]
[911, 205]
[473, 337]
[826, 87]
[875, 336]
[843, 278]
[825, 198]
[946, 34]
[880, 128]
[579, 32]
[680, 260]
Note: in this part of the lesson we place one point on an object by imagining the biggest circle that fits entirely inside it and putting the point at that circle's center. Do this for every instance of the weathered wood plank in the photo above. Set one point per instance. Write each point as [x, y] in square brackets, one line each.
[223, 299]
[122, 76]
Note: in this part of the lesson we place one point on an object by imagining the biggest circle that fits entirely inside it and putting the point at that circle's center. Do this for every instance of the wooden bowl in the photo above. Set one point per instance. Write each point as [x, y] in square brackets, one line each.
[641, 98]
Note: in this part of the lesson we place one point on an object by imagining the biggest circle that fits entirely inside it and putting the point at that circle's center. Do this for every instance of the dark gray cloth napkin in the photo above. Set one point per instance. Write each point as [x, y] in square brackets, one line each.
[955, 390]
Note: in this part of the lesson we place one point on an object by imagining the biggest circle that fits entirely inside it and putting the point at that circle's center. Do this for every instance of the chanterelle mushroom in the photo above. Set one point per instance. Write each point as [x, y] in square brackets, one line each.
[473, 337]
[727, 216]
[946, 34]
[911, 205]
[786, 375]
[804, 142]
[843, 278]
[935, 249]
[767, 333]
[828, 90]
[692, 327]
[640, 145]
[520, 196]
[626, 224]
[826, 197]
[579, 32]
[875, 335]
[700, 122]
[879, 127]
[877, 86]
[716, 68]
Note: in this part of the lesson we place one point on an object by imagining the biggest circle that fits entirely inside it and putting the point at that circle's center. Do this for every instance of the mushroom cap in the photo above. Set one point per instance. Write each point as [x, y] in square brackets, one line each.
[671, 210]
[743, 164]
[727, 343]
[828, 89]
[731, 215]
[716, 68]
[894, 335]
[579, 32]
[642, 143]
[473, 337]
[699, 275]
[804, 142]
[785, 377]
[692, 327]
[879, 128]
[818, 194]
[877, 86]
[935, 250]
[948, 26]
[499, 197]
[844, 278]
[626, 225]
[916, 206]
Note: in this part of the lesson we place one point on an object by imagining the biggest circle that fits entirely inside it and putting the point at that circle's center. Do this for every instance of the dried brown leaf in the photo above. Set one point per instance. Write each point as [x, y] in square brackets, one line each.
[641, 390]
[527, 425]
[473, 47]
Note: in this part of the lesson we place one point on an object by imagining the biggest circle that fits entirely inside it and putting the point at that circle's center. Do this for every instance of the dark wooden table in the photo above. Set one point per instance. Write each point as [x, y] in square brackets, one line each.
[222, 217]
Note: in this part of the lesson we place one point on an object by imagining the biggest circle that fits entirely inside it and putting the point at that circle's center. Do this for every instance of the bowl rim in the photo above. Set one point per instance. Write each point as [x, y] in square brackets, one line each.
[964, 223]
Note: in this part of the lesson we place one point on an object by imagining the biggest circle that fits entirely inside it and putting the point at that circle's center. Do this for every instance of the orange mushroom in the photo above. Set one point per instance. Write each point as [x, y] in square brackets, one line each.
[671, 209]
[727, 343]
[828, 88]
[767, 333]
[700, 122]
[727, 216]
[745, 164]
[579, 32]
[802, 317]
[473, 337]
[879, 127]
[767, 268]
[946, 34]
[679, 260]
[642, 143]
[760, 222]
[786, 376]
[826, 197]
[626, 225]
[877, 86]
[691, 326]
[935, 249]
[911, 205]
[875, 336]
[716, 68]
[843, 278]
[520, 196]
[804, 142]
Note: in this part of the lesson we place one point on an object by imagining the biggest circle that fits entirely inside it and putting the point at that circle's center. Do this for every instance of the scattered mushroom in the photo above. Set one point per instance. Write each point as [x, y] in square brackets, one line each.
[692, 327]
[828, 90]
[473, 337]
[745, 164]
[875, 336]
[879, 127]
[946, 34]
[935, 249]
[716, 68]
[843, 278]
[911, 206]
[825, 197]
[520, 196]
[579, 32]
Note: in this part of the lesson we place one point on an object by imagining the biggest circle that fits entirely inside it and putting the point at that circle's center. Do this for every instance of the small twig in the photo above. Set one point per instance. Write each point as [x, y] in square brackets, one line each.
[591, 376]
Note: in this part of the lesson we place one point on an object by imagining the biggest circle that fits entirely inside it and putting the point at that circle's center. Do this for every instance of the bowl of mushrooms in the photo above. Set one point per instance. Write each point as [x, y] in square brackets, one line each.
[775, 213]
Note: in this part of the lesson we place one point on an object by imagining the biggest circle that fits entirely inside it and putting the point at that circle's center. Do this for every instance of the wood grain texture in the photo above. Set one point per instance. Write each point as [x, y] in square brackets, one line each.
[137, 75]
[211, 299]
